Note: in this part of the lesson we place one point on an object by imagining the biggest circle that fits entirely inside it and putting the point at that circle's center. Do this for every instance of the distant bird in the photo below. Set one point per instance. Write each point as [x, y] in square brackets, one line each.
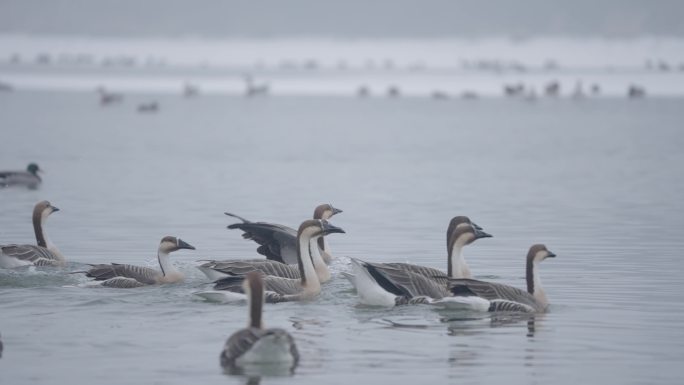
[28, 178]
[43, 254]
[514, 90]
[439, 95]
[107, 97]
[393, 92]
[469, 95]
[552, 89]
[148, 107]
[256, 346]
[636, 92]
[363, 91]
[6, 87]
[190, 90]
[253, 89]
[129, 276]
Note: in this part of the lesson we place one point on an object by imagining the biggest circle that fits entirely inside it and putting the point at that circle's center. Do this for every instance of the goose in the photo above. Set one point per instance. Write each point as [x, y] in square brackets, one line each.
[388, 284]
[459, 234]
[28, 178]
[43, 254]
[279, 289]
[215, 270]
[129, 276]
[255, 345]
[279, 242]
[493, 297]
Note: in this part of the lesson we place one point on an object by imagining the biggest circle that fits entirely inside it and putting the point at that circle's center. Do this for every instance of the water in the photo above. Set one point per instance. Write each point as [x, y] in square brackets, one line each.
[599, 181]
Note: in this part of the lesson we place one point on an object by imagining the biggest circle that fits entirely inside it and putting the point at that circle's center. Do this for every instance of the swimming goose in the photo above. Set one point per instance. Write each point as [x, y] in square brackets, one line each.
[128, 276]
[489, 296]
[461, 232]
[255, 345]
[43, 254]
[279, 242]
[28, 178]
[390, 284]
[279, 289]
[215, 270]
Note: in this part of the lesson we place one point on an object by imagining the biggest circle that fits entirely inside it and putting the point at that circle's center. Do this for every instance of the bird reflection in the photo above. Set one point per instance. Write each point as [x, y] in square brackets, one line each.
[473, 325]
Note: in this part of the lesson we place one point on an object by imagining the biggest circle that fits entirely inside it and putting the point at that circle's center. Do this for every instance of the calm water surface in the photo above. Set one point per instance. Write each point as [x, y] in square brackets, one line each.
[599, 181]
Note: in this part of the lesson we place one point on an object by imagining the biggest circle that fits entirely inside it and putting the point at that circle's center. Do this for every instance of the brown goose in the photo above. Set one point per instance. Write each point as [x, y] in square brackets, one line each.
[43, 254]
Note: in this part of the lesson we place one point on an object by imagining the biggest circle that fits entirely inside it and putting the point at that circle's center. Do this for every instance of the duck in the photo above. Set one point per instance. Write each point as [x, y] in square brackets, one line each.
[479, 295]
[28, 178]
[215, 269]
[130, 276]
[457, 236]
[256, 345]
[279, 289]
[279, 242]
[45, 253]
[382, 284]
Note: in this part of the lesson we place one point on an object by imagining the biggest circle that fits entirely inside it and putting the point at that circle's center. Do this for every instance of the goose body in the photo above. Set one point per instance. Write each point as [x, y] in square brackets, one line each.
[218, 269]
[255, 345]
[496, 297]
[129, 276]
[389, 284]
[278, 242]
[28, 178]
[280, 289]
[45, 253]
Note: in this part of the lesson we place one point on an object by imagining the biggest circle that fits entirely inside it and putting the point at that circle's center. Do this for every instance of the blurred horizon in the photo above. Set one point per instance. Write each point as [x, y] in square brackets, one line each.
[353, 19]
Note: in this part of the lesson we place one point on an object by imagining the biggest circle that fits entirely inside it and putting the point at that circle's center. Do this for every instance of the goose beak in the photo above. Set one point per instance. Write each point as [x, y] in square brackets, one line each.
[551, 255]
[481, 234]
[329, 229]
[184, 245]
[54, 208]
[476, 226]
[336, 211]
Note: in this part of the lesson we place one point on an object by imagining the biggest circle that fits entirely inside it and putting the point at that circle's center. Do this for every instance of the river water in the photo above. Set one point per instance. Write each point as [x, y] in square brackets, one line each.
[599, 181]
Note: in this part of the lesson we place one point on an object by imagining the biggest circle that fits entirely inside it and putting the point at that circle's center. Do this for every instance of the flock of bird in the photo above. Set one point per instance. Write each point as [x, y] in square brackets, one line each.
[294, 267]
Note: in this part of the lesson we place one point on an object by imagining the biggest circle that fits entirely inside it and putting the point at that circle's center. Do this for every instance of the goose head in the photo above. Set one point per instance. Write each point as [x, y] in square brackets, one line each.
[325, 211]
[317, 227]
[466, 234]
[539, 253]
[43, 209]
[33, 168]
[170, 244]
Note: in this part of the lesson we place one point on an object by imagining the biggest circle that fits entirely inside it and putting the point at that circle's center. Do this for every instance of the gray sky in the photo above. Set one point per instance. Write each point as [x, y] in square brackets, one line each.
[345, 18]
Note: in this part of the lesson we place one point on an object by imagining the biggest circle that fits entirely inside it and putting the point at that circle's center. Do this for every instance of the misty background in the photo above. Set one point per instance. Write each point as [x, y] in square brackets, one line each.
[348, 19]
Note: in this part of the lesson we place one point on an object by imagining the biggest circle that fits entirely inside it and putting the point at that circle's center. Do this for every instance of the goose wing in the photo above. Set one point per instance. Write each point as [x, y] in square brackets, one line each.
[431, 273]
[143, 275]
[8, 178]
[404, 282]
[37, 255]
[276, 242]
[491, 291]
[265, 266]
[122, 283]
[276, 289]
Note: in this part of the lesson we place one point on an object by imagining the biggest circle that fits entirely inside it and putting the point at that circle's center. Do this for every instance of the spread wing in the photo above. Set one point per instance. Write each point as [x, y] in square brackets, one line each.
[265, 266]
[276, 242]
[492, 291]
[36, 255]
[143, 275]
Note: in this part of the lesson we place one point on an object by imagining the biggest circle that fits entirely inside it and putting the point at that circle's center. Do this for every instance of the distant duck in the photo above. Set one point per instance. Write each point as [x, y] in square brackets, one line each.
[108, 97]
[393, 92]
[190, 90]
[43, 254]
[636, 92]
[255, 347]
[514, 90]
[363, 91]
[279, 242]
[28, 178]
[552, 89]
[148, 107]
[253, 89]
[439, 95]
[129, 276]
[473, 294]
